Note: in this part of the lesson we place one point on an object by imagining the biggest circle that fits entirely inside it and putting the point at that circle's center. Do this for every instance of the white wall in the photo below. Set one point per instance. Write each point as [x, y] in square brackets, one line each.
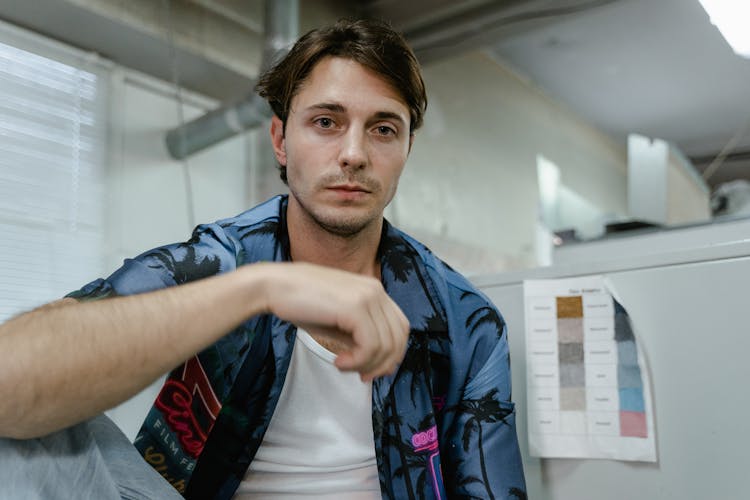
[469, 189]
[147, 188]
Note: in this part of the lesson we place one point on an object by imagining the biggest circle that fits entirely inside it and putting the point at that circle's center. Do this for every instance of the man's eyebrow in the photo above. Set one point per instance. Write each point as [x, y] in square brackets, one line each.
[389, 115]
[328, 106]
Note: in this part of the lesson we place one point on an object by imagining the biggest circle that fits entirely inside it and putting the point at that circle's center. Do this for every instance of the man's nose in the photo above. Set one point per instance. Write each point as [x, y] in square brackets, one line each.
[353, 154]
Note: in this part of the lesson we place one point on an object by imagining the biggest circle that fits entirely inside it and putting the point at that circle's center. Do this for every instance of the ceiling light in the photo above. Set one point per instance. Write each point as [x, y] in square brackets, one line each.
[732, 18]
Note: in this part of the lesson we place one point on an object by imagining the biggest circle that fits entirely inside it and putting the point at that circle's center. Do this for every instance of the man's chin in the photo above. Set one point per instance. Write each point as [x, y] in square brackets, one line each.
[344, 229]
[345, 225]
[340, 219]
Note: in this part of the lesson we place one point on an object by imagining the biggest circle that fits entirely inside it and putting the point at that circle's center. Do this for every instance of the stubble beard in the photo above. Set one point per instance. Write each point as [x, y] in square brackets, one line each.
[338, 222]
[342, 228]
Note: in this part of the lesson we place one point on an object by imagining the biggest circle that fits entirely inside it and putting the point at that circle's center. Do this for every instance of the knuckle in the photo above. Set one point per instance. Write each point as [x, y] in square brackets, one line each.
[371, 350]
[377, 350]
[365, 297]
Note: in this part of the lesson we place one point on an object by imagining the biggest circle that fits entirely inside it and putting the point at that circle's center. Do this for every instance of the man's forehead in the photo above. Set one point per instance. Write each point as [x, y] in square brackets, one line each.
[334, 81]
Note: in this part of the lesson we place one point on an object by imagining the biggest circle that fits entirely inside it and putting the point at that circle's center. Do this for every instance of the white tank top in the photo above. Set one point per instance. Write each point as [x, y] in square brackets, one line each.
[319, 443]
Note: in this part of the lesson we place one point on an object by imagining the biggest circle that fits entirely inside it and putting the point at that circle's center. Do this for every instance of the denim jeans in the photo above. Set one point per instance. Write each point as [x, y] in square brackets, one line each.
[92, 460]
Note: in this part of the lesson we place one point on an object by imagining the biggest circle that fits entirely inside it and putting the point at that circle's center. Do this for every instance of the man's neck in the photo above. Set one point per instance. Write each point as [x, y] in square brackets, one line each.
[309, 242]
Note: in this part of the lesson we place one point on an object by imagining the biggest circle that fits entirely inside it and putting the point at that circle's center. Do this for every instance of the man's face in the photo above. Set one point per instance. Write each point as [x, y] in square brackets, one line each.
[346, 141]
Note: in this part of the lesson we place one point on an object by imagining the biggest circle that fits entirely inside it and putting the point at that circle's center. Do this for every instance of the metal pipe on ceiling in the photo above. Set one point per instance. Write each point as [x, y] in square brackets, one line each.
[281, 31]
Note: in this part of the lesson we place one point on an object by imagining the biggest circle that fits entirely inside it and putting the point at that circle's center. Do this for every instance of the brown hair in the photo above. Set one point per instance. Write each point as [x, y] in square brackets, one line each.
[373, 44]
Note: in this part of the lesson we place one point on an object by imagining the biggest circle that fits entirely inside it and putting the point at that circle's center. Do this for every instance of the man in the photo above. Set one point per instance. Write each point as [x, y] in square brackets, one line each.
[338, 357]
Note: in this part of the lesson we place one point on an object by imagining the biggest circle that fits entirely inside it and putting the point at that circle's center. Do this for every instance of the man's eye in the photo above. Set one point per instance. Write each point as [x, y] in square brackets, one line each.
[383, 130]
[325, 122]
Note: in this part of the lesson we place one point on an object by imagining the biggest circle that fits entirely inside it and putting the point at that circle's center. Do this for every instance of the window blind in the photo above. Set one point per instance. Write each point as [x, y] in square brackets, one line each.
[53, 111]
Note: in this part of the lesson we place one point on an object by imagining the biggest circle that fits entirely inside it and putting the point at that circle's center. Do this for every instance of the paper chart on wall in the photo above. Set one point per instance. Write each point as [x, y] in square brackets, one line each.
[587, 380]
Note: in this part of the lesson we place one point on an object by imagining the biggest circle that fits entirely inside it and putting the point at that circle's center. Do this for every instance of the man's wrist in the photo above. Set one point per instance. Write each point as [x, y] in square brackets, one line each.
[258, 282]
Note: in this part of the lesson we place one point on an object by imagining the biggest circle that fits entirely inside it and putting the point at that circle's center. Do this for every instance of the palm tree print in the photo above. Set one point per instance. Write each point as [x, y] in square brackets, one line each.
[187, 268]
[267, 229]
[517, 493]
[395, 440]
[485, 314]
[484, 410]
[419, 361]
[411, 460]
[395, 258]
[100, 289]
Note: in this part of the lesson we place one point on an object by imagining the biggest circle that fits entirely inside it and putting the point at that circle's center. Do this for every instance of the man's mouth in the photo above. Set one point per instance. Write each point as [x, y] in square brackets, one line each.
[349, 188]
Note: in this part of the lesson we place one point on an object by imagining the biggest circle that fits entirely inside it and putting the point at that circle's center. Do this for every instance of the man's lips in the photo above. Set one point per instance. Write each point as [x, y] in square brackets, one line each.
[349, 188]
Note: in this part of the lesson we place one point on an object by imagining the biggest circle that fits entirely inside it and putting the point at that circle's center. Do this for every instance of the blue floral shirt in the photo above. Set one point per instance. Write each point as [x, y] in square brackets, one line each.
[443, 425]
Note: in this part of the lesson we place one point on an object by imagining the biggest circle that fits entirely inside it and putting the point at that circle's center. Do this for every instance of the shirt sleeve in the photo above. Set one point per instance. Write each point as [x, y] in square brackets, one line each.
[209, 252]
[486, 457]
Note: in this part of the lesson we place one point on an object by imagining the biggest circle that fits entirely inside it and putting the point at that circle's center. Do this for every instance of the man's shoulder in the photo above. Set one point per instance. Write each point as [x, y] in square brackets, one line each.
[471, 324]
[268, 212]
[454, 280]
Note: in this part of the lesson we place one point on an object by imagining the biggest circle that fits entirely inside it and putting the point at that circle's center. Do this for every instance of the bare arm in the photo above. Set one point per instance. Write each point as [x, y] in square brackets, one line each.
[64, 363]
[68, 361]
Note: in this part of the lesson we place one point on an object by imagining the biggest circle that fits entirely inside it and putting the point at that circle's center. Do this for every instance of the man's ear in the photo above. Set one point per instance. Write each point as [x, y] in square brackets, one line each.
[277, 138]
[411, 142]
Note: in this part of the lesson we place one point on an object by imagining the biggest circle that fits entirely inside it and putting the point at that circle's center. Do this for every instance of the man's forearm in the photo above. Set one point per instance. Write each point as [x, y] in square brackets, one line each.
[68, 361]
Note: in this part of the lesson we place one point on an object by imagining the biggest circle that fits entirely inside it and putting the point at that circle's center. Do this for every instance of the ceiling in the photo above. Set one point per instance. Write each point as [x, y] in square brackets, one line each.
[657, 68]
